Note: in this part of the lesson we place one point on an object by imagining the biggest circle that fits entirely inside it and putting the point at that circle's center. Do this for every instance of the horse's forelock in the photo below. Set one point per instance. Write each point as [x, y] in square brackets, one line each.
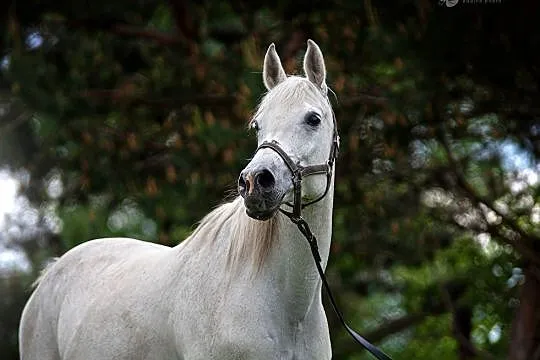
[291, 92]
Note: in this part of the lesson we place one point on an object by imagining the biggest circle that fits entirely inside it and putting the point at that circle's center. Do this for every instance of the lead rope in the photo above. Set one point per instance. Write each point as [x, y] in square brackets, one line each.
[312, 241]
[298, 172]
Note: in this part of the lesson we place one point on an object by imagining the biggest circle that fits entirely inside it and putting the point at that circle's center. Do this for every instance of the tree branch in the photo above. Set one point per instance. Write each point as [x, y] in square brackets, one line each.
[123, 29]
[536, 354]
[385, 330]
[184, 23]
[460, 338]
[364, 99]
[118, 95]
[159, 37]
[15, 123]
[392, 327]
[525, 246]
[395, 326]
[496, 233]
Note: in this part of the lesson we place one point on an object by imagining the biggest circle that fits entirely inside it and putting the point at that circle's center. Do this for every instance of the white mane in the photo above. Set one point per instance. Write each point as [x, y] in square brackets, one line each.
[250, 240]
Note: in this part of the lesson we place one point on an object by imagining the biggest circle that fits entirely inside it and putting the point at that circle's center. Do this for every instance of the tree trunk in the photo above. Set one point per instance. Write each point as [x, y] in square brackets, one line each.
[525, 336]
[462, 323]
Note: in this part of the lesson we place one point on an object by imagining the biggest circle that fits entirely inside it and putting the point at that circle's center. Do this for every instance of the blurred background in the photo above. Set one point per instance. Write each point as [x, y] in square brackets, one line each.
[129, 118]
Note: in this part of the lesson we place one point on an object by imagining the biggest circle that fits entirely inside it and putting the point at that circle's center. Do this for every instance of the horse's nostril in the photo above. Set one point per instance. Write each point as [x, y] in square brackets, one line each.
[265, 179]
[243, 187]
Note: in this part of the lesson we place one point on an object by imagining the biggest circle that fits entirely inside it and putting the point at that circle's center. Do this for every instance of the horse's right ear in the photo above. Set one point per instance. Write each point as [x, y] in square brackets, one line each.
[273, 72]
[314, 67]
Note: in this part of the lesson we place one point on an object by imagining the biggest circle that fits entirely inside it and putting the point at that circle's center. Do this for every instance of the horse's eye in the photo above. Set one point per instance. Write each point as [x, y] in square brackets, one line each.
[313, 119]
[254, 125]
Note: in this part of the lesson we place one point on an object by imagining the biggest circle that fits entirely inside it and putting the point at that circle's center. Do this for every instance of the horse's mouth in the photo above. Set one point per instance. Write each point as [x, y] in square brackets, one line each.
[261, 207]
[261, 215]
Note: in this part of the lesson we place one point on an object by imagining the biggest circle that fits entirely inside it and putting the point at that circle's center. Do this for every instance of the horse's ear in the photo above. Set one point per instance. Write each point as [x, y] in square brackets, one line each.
[273, 72]
[314, 67]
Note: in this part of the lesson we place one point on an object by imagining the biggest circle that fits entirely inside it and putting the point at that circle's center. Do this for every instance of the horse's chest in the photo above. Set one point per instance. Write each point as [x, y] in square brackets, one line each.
[254, 327]
[261, 348]
[265, 340]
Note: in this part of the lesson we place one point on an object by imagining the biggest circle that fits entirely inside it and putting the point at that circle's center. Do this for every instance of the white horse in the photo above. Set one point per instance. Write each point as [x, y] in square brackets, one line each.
[242, 286]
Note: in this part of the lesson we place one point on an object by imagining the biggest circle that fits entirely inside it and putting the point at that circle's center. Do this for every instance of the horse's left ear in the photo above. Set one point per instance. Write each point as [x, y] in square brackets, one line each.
[314, 67]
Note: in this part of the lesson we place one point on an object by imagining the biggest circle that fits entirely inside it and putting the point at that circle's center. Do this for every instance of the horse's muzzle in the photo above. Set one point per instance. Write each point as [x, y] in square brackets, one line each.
[261, 196]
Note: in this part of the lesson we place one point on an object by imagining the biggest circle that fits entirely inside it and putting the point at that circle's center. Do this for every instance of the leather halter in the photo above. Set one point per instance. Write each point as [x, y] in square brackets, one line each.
[298, 172]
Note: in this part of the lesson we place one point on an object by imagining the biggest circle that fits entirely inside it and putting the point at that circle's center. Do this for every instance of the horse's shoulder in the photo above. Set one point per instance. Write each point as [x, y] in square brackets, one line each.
[112, 247]
[119, 242]
[94, 255]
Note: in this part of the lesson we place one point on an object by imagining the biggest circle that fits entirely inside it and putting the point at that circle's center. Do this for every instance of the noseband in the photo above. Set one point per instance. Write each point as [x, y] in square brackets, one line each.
[298, 172]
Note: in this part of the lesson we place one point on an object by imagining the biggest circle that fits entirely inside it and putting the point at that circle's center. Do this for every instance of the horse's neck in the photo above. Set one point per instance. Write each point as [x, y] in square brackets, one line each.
[288, 272]
[292, 263]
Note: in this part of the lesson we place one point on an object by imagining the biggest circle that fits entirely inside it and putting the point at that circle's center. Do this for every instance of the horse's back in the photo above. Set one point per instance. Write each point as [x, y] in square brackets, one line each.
[86, 280]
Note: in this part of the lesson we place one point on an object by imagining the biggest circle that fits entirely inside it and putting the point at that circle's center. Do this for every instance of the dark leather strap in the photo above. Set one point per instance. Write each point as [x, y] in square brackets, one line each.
[275, 146]
[305, 230]
[298, 172]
